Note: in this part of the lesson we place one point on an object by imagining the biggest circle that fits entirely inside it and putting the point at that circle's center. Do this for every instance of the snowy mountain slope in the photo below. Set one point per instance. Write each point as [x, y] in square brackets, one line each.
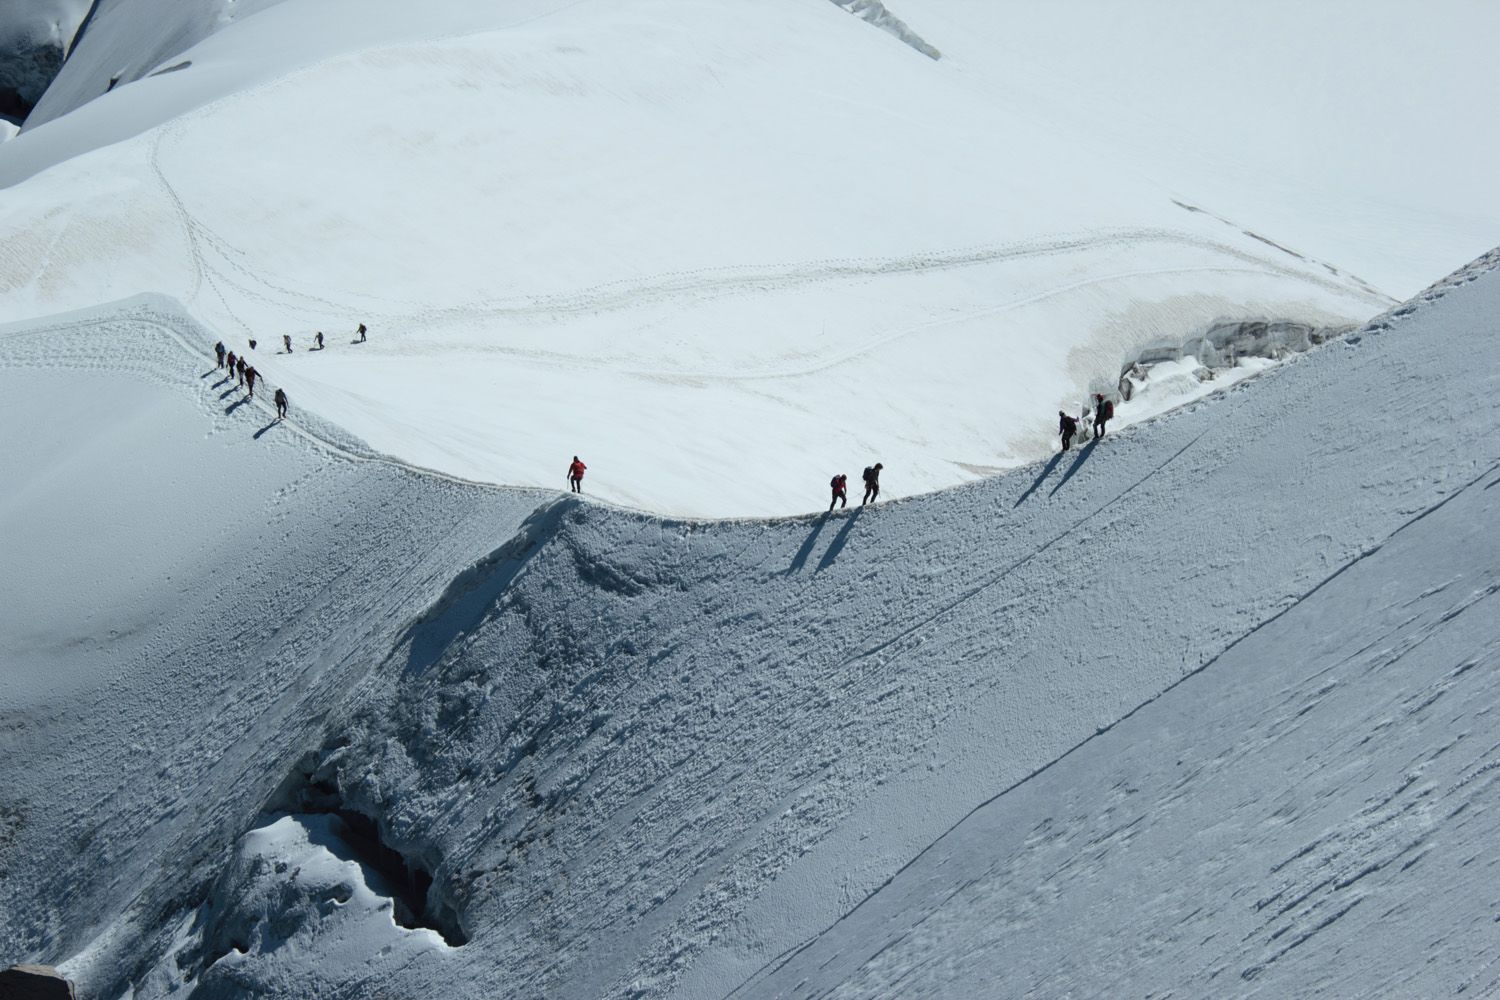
[127, 40]
[1336, 129]
[35, 35]
[1306, 817]
[646, 757]
[721, 258]
[188, 588]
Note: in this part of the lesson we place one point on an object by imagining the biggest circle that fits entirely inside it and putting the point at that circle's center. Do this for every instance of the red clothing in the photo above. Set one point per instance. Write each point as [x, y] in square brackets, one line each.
[575, 471]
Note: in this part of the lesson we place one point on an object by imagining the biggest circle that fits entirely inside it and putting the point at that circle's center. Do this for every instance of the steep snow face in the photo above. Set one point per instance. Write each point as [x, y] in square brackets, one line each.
[640, 757]
[721, 259]
[35, 36]
[190, 587]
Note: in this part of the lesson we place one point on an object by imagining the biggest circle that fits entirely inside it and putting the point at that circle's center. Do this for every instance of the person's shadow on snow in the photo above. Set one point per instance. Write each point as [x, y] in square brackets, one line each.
[236, 404]
[1041, 476]
[266, 428]
[800, 559]
[837, 545]
[1083, 454]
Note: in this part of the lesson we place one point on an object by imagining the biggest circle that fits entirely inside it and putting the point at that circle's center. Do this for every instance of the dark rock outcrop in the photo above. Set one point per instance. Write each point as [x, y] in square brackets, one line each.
[35, 982]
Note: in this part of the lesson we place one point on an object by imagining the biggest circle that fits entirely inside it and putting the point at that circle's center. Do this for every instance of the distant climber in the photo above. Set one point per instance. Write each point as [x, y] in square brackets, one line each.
[239, 369]
[840, 486]
[252, 343]
[250, 376]
[230, 359]
[280, 404]
[575, 474]
[1067, 427]
[318, 341]
[1104, 409]
[361, 332]
[286, 341]
[872, 483]
[219, 353]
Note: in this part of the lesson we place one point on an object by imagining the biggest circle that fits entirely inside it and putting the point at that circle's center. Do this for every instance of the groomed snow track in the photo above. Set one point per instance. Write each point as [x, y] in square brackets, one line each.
[647, 757]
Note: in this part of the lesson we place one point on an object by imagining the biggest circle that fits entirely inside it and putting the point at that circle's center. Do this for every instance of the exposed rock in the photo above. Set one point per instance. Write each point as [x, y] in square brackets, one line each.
[35, 982]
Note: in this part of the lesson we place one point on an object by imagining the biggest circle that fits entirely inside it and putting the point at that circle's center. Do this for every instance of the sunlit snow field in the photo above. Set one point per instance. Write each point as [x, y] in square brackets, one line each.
[725, 252]
[361, 704]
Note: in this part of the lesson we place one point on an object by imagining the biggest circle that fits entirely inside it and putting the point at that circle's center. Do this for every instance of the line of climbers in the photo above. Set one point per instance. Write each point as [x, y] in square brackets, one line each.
[245, 373]
[1103, 411]
[318, 345]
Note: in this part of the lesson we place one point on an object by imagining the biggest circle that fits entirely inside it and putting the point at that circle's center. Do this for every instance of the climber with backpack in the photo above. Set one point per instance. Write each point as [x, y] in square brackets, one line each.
[575, 474]
[1104, 409]
[840, 486]
[872, 483]
[1067, 427]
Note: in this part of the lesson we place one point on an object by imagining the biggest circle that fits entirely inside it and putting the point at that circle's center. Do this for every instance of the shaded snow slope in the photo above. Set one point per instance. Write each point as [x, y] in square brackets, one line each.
[127, 40]
[187, 590]
[1309, 816]
[35, 35]
[720, 258]
[644, 757]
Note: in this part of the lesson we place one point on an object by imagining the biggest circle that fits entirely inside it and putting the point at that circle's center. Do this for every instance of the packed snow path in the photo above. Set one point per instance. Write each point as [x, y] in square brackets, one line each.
[646, 757]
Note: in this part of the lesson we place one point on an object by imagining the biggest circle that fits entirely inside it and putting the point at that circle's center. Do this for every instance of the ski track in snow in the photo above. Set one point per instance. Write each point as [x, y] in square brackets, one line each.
[641, 755]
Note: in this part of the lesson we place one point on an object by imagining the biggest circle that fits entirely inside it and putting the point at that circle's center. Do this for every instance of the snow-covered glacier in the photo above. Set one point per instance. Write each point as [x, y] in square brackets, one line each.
[720, 253]
[360, 703]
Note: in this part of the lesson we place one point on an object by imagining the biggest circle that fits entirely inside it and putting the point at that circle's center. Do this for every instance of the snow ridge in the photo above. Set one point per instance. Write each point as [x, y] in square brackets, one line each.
[874, 12]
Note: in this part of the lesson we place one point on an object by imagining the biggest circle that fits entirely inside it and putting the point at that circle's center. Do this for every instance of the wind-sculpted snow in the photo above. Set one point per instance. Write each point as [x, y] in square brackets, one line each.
[644, 757]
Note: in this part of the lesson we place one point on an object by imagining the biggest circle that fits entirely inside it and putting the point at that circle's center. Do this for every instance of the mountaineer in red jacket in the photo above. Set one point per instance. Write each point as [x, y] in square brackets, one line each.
[575, 474]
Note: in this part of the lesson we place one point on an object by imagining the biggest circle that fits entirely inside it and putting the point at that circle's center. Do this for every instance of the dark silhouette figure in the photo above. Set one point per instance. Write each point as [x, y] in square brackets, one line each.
[318, 339]
[280, 404]
[286, 341]
[1067, 427]
[840, 486]
[230, 359]
[250, 375]
[575, 474]
[872, 483]
[219, 353]
[361, 332]
[252, 343]
[239, 370]
[1104, 409]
